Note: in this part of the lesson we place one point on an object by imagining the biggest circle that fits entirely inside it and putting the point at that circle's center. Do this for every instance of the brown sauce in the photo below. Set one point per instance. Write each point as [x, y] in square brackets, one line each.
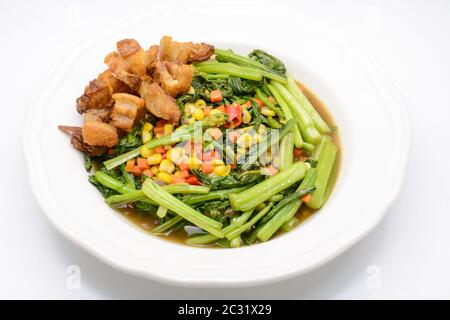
[147, 222]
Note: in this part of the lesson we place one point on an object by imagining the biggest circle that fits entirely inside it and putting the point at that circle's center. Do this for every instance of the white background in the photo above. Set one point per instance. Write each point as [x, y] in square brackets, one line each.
[409, 250]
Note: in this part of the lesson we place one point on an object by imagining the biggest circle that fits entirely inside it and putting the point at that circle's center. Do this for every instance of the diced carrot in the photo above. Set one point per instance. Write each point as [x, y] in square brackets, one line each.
[272, 99]
[158, 130]
[193, 181]
[247, 105]
[137, 171]
[221, 108]
[183, 166]
[184, 174]
[216, 96]
[259, 102]
[130, 165]
[111, 151]
[207, 111]
[306, 198]
[233, 166]
[147, 173]
[215, 133]
[234, 113]
[298, 152]
[142, 164]
[233, 136]
[160, 149]
[207, 167]
[175, 179]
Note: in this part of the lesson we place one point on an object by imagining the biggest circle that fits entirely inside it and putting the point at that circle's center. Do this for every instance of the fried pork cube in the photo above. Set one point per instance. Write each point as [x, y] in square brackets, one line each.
[102, 115]
[174, 79]
[183, 52]
[131, 61]
[128, 110]
[97, 94]
[159, 103]
[78, 142]
[97, 133]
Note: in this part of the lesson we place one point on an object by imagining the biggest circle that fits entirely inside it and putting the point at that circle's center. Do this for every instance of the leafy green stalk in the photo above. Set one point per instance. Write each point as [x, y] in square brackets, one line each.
[266, 143]
[236, 242]
[266, 189]
[230, 69]
[304, 121]
[298, 140]
[228, 56]
[213, 195]
[209, 238]
[237, 232]
[161, 212]
[165, 199]
[319, 123]
[286, 151]
[139, 195]
[286, 213]
[166, 226]
[327, 159]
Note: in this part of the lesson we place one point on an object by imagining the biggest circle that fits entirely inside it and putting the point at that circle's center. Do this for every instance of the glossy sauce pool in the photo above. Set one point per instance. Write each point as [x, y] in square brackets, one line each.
[147, 222]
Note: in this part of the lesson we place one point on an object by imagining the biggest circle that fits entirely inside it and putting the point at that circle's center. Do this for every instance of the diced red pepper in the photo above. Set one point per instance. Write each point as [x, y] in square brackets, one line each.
[298, 152]
[193, 181]
[216, 96]
[234, 113]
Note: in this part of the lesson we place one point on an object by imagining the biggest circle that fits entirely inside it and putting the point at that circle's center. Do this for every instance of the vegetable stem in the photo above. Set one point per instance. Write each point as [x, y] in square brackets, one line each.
[163, 198]
[319, 123]
[325, 166]
[248, 225]
[298, 140]
[286, 151]
[286, 213]
[264, 190]
[230, 69]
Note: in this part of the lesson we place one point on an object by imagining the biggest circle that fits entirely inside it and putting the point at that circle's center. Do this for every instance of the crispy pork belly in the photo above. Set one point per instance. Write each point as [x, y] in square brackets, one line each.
[183, 52]
[128, 110]
[119, 67]
[78, 142]
[174, 79]
[97, 133]
[159, 102]
[97, 95]
[97, 114]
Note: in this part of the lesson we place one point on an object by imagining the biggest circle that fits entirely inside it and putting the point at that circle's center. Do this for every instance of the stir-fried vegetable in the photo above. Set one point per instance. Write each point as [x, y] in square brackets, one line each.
[248, 150]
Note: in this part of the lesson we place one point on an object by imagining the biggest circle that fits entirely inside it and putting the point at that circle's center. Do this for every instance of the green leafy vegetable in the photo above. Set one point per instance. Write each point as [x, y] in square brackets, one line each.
[268, 60]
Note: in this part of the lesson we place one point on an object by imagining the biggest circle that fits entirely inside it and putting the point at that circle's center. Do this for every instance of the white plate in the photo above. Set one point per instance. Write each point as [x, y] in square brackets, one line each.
[370, 114]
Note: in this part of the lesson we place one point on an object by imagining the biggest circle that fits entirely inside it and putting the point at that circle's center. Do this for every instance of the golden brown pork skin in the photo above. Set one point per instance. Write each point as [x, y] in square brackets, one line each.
[159, 102]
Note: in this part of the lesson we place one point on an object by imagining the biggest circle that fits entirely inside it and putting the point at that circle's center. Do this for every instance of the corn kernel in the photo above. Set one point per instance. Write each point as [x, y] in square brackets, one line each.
[241, 151]
[154, 158]
[145, 152]
[267, 112]
[168, 129]
[245, 141]
[193, 163]
[175, 154]
[191, 90]
[147, 127]
[189, 108]
[164, 177]
[222, 170]
[146, 136]
[198, 114]
[257, 137]
[154, 170]
[217, 162]
[200, 103]
[246, 116]
[167, 166]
